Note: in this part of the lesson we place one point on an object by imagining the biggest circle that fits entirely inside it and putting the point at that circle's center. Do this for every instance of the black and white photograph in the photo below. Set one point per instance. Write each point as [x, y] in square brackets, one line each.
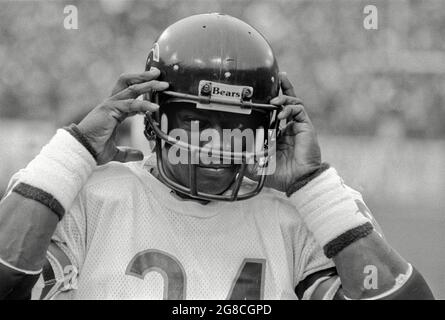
[217, 150]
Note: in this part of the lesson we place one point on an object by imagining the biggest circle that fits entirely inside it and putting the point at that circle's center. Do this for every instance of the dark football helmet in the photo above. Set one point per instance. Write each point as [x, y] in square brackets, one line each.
[217, 62]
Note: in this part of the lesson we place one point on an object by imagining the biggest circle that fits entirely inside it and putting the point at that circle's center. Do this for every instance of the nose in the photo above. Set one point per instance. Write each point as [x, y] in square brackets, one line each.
[212, 138]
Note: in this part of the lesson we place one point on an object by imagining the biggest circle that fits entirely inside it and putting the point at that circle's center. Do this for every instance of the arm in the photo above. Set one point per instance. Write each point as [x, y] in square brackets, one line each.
[409, 285]
[26, 227]
[333, 217]
[30, 212]
[37, 201]
[367, 265]
[395, 278]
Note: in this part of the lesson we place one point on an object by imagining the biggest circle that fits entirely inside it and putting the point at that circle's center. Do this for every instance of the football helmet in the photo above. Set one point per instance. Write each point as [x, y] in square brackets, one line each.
[216, 62]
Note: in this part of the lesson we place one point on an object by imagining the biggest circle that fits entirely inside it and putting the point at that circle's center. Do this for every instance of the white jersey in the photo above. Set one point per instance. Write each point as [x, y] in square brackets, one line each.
[129, 237]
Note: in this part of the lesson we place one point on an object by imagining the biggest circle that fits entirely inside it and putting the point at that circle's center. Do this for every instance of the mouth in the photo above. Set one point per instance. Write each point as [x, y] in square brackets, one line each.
[216, 166]
[215, 169]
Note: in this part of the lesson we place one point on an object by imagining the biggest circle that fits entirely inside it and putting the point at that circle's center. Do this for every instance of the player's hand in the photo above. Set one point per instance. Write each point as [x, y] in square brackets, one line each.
[297, 149]
[99, 126]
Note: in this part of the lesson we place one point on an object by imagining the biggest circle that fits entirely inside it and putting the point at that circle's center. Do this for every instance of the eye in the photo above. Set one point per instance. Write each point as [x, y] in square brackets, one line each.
[189, 119]
[240, 126]
[235, 125]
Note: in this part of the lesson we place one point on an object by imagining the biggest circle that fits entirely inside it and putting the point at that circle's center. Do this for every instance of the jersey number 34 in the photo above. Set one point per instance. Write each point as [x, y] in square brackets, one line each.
[247, 285]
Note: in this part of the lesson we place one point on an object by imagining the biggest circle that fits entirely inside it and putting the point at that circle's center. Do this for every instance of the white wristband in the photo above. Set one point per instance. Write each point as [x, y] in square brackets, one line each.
[61, 168]
[329, 211]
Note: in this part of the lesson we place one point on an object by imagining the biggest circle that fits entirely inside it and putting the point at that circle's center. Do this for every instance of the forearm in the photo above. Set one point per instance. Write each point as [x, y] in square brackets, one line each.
[26, 227]
[369, 267]
[39, 197]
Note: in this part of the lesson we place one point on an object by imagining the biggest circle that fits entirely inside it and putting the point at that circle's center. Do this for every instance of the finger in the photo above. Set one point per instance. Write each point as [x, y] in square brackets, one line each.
[133, 105]
[286, 86]
[125, 154]
[293, 128]
[123, 109]
[128, 79]
[285, 100]
[136, 90]
[294, 113]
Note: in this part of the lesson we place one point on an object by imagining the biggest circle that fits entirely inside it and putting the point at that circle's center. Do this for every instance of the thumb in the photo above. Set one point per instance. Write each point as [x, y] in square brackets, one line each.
[125, 154]
[286, 86]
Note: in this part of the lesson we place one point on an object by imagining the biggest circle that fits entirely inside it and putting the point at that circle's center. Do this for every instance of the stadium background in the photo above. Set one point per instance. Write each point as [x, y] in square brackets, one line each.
[377, 97]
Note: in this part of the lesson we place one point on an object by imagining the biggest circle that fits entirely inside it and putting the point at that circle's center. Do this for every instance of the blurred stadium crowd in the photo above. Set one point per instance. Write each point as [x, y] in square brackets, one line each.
[387, 81]
[377, 97]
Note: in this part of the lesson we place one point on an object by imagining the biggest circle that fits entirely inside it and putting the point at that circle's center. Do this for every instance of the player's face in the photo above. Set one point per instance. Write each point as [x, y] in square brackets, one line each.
[216, 177]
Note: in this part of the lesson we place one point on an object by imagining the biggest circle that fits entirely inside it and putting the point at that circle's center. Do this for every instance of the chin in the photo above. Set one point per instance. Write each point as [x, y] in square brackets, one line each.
[209, 180]
[214, 181]
[214, 188]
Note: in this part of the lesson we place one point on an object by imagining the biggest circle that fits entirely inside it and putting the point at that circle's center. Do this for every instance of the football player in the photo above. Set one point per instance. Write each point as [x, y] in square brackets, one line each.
[88, 220]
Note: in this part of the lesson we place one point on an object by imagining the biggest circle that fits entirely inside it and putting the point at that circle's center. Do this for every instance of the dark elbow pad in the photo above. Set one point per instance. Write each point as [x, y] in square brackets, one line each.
[15, 285]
